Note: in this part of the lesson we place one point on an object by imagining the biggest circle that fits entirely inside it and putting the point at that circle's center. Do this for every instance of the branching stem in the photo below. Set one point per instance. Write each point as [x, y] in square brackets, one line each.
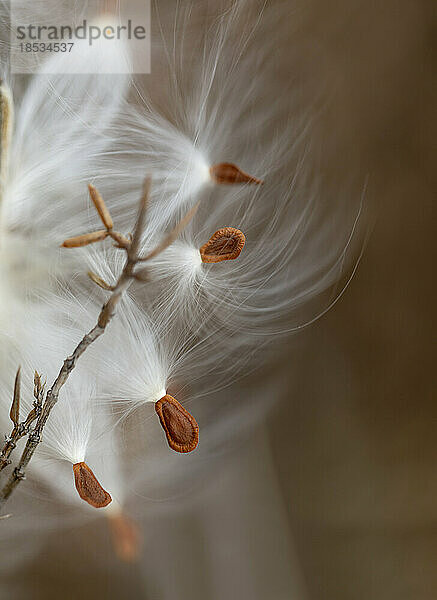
[105, 316]
[41, 412]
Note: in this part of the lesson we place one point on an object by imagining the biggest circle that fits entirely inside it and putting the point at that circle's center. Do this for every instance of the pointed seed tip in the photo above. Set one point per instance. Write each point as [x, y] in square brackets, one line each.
[229, 173]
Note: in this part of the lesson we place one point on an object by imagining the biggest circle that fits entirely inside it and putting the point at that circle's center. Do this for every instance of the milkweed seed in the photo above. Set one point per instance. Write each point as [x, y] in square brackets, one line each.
[180, 427]
[225, 244]
[88, 488]
[228, 173]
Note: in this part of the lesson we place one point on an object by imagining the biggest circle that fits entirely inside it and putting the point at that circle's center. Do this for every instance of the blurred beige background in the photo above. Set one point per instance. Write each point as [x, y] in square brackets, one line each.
[334, 496]
[354, 440]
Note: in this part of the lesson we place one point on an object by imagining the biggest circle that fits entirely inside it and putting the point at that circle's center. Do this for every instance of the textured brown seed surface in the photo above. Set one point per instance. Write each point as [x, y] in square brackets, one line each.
[180, 427]
[88, 488]
[228, 173]
[225, 244]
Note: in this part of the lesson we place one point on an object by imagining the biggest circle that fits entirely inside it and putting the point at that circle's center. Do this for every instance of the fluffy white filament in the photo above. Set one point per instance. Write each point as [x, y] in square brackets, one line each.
[190, 329]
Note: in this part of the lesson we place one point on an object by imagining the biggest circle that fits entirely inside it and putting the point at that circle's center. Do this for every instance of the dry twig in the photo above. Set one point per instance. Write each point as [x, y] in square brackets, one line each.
[131, 246]
[21, 429]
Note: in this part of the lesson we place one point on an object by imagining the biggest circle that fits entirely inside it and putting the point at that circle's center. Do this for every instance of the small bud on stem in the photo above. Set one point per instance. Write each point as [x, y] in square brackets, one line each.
[99, 281]
[15, 408]
[100, 205]
[85, 239]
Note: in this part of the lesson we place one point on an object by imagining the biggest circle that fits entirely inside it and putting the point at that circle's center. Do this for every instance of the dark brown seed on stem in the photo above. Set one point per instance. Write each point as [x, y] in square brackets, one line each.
[225, 244]
[228, 173]
[180, 427]
[88, 488]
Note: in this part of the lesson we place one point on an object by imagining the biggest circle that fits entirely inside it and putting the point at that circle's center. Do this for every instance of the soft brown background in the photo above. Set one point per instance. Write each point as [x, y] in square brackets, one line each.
[354, 440]
[334, 496]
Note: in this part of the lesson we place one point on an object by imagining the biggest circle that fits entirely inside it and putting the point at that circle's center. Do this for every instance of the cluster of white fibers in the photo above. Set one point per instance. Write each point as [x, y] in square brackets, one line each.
[191, 327]
[58, 141]
[223, 108]
[80, 430]
[59, 133]
[139, 362]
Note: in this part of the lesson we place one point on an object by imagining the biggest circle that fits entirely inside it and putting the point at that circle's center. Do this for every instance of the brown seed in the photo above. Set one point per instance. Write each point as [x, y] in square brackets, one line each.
[225, 244]
[180, 427]
[228, 173]
[85, 240]
[88, 488]
[125, 537]
[100, 205]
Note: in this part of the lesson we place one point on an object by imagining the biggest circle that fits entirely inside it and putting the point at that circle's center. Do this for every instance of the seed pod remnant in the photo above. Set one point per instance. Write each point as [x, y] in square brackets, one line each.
[100, 205]
[180, 427]
[88, 487]
[15, 408]
[228, 173]
[225, 244]
[85, 239]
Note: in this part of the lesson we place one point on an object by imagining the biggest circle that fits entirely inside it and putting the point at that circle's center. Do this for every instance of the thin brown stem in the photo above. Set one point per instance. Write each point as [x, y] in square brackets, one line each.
[127, 276]
[105, 316]
[170, 237]
[21, 429]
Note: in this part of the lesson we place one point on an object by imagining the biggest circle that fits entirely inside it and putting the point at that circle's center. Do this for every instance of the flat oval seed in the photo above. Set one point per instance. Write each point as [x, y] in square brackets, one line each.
[225, 244]
[228, 173]
[88, 488]
[180, 427]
